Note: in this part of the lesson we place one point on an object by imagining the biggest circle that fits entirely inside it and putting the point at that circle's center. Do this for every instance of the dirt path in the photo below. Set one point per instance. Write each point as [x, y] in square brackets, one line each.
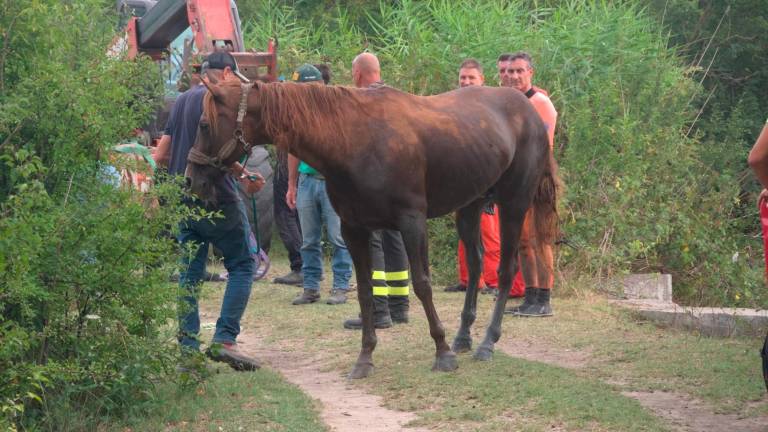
[536, 351]
[348, 408]
[689, 415]
[344, 407]
[682, 412]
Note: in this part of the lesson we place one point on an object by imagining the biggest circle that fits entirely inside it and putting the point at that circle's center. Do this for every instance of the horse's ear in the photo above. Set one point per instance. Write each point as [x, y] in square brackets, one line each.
[215, 90]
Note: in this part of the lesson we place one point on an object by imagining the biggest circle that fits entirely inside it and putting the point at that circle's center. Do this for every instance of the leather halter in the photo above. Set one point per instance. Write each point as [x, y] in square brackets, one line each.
[231, 146]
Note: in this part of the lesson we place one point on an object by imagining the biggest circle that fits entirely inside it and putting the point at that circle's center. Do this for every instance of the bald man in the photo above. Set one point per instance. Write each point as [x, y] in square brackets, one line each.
[391, 284]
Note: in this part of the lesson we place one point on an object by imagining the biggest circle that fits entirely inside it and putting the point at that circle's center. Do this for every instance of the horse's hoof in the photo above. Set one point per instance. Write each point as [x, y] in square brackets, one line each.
[462, 345]
[361, 370]
[483, 354]
[445, 362]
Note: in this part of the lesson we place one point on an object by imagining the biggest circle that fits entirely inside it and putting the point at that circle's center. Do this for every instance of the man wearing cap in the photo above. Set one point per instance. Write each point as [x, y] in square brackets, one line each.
[307, 194]
[389, 260]
[516, 71]
[228, 234]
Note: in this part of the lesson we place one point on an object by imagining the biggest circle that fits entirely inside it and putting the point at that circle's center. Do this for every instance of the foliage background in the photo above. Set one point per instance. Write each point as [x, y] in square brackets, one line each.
[659, 103]
[84, 303]
[655, 172]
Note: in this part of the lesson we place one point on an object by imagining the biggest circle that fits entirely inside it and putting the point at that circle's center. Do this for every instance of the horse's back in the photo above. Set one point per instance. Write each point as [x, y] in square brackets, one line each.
[437, 153]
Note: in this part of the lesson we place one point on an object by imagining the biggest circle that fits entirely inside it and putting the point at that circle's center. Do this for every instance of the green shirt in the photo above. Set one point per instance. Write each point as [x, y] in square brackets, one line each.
[306, 169]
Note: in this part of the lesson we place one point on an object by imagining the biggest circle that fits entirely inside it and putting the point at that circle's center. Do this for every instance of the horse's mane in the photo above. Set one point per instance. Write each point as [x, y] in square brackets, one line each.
[292, 111]
[209, 108]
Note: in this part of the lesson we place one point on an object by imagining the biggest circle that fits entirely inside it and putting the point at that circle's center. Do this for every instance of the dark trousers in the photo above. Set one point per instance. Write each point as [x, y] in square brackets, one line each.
[390, 264]
[287, 220]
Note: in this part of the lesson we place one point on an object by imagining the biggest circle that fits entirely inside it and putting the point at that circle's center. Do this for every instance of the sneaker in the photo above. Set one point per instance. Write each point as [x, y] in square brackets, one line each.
[293, 278]
[459, 287]
[338, 296]
[307, 296]
[489, 290]
[229, 354]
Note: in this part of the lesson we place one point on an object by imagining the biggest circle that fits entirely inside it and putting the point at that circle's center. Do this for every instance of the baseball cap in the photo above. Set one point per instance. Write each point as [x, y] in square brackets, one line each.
[306, 73]
[221, 60]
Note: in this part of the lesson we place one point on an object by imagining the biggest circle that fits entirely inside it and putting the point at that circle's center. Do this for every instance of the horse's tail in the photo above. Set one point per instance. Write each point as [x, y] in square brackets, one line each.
[545, 204]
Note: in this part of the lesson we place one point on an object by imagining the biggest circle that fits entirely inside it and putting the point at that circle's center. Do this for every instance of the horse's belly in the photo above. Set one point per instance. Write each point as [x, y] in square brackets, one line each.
[452, 195]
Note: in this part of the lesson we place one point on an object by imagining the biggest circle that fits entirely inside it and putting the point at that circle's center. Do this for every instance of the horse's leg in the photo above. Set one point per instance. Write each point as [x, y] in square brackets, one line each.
[358, 244]
[512, 207]
[468, 226]
[413, 227]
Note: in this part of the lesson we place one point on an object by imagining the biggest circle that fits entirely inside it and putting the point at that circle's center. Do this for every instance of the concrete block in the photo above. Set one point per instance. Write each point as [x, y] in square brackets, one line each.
[648, 286]
[715, 322]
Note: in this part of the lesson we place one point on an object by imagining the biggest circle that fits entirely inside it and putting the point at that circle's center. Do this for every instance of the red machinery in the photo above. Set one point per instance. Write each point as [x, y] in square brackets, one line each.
[215, 25]
[154, 27]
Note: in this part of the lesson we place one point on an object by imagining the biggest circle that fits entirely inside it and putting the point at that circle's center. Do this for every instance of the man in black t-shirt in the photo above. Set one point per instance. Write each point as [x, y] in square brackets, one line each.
[229, 234]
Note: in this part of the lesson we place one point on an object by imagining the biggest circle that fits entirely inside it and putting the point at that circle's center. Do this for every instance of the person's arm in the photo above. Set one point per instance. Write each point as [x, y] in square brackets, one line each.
[758, 157]
[548, 115]
[293, 180]
[163, 152]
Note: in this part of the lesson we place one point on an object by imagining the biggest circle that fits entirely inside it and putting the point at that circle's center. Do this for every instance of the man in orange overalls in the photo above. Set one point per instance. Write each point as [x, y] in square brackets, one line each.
[471, 74]
[516, 70]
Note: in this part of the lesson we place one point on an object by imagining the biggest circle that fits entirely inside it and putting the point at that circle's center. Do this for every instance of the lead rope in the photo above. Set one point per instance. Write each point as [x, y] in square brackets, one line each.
[260, 257]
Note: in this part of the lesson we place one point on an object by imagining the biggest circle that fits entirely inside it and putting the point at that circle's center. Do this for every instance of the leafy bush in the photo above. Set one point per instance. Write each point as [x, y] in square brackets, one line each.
[639, 196]
[84, 303]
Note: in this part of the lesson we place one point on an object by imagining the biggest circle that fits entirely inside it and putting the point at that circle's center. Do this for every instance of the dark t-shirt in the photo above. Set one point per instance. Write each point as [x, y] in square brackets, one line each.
[182, 127]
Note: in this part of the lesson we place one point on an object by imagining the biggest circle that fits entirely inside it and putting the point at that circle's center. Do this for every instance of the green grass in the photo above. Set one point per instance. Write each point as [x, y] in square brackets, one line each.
[510, 392]
[230, 401]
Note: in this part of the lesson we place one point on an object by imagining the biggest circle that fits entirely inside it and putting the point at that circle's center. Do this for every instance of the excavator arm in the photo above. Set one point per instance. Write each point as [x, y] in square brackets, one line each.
[215, 25]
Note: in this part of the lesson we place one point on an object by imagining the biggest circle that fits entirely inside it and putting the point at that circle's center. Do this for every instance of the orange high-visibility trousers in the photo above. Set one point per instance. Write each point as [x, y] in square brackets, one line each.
[489, 234]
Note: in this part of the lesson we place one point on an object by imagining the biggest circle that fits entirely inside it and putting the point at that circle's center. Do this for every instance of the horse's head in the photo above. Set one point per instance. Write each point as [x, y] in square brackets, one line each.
[224, 135]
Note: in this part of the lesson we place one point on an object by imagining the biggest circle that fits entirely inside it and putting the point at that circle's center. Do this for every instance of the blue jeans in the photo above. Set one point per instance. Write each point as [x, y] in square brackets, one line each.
[229, 235]
[314, 207]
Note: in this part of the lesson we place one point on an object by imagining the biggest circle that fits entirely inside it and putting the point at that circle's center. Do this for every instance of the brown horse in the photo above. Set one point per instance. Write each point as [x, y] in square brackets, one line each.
[392, 160]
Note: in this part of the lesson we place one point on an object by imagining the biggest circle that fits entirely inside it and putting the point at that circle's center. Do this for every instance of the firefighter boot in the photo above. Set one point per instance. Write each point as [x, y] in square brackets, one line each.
[530, 298]
[540, 308]
[398, 309]
[381, 318]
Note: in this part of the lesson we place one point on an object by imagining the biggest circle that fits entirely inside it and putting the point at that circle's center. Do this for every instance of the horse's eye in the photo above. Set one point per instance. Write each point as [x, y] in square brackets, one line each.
[204, 125]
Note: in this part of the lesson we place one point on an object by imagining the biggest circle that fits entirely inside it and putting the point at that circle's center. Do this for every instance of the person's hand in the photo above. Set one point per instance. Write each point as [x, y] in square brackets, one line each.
[251, 182]
[763, 197]
[290, 197]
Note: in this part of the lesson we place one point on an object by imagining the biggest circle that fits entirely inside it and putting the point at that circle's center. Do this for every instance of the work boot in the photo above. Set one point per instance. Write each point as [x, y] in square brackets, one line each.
[381, 318]
[307, 296]
[338, 296]
[540, 307]
[398, 309]
[229, 354]
[528, 300]
[459, 287]
[293, 278]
